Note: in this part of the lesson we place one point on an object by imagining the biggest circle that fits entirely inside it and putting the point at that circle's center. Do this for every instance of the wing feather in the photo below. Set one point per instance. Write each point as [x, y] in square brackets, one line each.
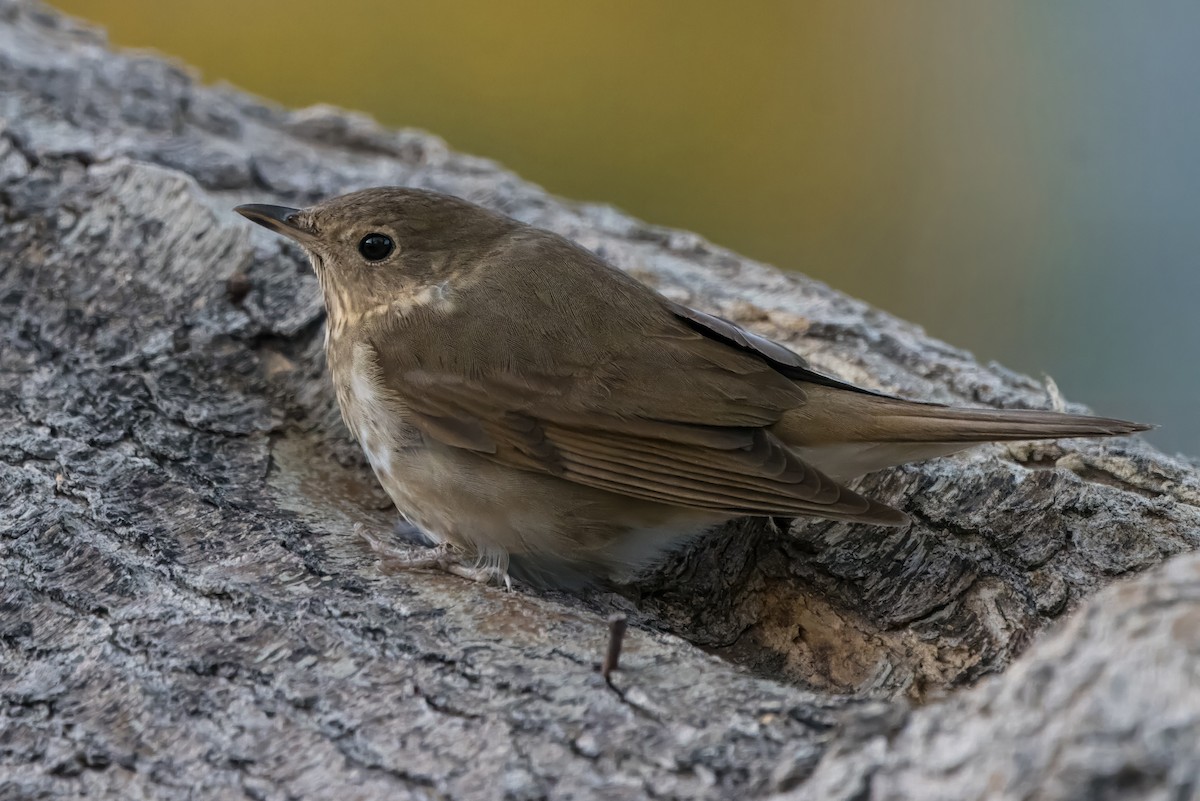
[533, 424]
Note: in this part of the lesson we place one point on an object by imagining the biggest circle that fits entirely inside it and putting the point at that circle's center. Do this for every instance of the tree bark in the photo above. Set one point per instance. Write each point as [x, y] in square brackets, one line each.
[188, 609]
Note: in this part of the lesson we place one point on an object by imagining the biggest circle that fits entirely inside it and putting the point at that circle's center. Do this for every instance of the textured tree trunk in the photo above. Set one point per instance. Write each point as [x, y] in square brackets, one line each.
[188, 610]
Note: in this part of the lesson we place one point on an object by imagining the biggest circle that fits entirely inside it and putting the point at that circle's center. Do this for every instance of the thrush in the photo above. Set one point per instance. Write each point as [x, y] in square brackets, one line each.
[525, 404]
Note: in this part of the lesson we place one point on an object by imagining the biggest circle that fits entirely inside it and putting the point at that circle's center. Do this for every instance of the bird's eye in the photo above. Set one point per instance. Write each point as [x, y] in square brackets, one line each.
[376, 247]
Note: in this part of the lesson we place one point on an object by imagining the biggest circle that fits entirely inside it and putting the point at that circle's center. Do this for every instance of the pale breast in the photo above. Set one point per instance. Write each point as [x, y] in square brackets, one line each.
[375, 418]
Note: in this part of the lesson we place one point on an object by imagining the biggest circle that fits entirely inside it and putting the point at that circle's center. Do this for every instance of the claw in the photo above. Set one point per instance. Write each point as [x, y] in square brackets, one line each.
[484, 575]
[443, 556]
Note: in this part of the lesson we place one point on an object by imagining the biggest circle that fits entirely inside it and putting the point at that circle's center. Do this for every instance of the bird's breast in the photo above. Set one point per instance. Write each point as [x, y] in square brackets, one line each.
[376, 419]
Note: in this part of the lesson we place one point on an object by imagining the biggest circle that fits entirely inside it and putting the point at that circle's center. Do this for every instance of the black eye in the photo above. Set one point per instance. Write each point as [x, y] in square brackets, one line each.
[376, 247]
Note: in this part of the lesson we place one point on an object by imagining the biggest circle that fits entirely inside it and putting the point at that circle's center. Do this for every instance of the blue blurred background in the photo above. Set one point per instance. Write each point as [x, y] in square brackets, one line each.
[1021, 178]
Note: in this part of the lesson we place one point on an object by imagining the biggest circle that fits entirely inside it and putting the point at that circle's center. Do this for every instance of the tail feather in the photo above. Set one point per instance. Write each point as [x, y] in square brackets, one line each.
[846, 434]
[905, 421]
[833, 416]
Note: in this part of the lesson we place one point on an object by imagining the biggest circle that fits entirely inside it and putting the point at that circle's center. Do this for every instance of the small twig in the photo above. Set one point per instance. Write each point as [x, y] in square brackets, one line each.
[617, 624]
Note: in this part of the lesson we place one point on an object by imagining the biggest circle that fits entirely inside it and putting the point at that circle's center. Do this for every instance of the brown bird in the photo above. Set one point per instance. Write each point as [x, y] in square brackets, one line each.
[519, 399]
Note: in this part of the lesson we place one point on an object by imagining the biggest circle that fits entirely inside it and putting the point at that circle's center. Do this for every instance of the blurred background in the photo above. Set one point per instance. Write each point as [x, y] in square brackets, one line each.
[1022, 178]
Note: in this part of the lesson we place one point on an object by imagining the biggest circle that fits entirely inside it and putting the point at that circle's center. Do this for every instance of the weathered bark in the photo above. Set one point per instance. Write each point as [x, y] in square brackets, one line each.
[188, 611]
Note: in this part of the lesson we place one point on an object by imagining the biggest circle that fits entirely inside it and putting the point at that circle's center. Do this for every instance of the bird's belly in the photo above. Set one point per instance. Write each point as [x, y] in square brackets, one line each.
[494, 512]
[454, 497]
[479, 506]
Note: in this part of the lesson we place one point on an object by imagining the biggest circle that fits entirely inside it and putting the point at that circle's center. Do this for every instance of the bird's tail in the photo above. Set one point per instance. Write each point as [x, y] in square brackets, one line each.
[848, 433]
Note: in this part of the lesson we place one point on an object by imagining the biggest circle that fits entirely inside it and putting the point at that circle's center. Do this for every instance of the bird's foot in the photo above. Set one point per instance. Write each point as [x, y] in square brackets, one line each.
[443, 556]
[484, 574]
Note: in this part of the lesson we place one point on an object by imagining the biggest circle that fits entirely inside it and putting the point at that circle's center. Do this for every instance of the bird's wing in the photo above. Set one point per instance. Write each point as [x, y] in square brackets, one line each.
[783, 360]
[704, 444]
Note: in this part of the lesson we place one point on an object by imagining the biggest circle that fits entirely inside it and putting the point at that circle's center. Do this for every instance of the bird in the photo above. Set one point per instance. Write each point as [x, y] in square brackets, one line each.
[534, 410]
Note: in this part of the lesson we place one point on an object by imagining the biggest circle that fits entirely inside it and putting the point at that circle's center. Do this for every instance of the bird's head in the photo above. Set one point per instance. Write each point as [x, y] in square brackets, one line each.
[378, 245]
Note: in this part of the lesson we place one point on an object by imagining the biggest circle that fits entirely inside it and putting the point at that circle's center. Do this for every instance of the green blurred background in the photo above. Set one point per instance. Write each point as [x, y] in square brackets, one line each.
[1022, 178]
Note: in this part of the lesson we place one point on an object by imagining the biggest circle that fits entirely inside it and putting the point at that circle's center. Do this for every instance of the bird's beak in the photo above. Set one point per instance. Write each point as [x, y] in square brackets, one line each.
[279, 219]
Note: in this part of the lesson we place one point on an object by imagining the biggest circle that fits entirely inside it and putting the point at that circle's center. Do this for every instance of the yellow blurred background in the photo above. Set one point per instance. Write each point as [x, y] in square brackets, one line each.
[1021, 178]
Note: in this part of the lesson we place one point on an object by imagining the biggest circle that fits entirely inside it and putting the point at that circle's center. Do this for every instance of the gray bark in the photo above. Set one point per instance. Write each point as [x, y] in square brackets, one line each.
[188, 611]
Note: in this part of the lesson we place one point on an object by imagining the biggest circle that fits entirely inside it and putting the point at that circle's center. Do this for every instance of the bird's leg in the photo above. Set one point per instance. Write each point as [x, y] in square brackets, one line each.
[443, 556]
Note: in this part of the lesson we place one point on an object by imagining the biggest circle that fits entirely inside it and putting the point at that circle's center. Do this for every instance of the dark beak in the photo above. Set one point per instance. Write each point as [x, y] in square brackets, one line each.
[279, 219]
